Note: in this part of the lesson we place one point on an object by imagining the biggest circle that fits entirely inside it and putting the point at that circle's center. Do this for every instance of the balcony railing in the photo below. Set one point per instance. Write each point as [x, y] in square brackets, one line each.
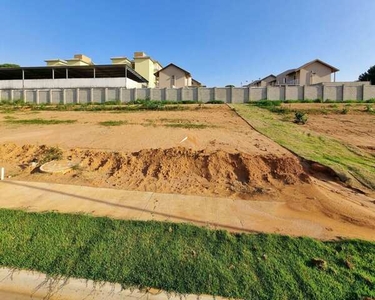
[289, 82]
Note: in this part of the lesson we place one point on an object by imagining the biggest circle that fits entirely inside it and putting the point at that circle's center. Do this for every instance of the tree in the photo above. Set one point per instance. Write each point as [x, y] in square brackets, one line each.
[368, 76]
[6, 65]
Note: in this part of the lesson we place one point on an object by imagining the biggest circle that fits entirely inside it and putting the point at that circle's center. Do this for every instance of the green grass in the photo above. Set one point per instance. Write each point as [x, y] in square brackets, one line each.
[186, 258]
[351, 164]
[187, 125]
[113, 105]
[39, 121]
[113, 123]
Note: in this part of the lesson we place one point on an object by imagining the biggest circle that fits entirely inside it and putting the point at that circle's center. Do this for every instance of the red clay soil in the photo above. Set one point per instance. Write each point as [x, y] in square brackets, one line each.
[218, 173]
[175, 170]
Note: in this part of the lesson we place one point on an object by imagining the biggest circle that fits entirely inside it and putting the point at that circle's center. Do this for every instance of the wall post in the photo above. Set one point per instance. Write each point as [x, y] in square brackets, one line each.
[77, 95]
[343, 92]
[105, 94]
[24, 95]
[165, 95]
[37, 96]
[63, 96]
[135, 97]
[303, 92]
[285, 92]
[214, 94]
[267, 93]
[323, 96]
[364, 92]
[249, 94]
[182, 91]
[50, 96]
[120, 94]
[150, 93]
[12, 95]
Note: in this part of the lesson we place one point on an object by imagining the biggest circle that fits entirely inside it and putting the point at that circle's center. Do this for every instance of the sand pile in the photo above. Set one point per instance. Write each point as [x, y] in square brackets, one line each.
[174, 170]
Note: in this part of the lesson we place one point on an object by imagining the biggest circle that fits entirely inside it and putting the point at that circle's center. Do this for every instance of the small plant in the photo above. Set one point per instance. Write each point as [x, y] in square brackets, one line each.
[345, 110]
[300, 117]
[369, 108]
[52, 153]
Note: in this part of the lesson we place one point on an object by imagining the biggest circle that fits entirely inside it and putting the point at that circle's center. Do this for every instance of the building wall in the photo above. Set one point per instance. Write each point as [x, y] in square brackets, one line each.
[69, 83]
[165, 78]
[145, 67]
[322, 74]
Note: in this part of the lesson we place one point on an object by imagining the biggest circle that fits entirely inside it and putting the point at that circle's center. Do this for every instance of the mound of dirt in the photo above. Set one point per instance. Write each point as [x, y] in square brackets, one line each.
[174, 170]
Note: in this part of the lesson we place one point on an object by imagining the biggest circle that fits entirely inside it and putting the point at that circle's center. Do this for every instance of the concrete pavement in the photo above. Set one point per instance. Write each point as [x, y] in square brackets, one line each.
[230, 214]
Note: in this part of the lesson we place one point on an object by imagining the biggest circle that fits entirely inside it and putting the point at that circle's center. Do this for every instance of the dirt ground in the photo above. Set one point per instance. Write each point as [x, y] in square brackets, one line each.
[355, 128]
[144, 130]
[226, 158]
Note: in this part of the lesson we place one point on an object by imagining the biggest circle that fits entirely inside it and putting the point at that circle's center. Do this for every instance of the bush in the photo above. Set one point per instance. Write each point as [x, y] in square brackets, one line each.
[52, 153]
[300, 117]
[369, 108]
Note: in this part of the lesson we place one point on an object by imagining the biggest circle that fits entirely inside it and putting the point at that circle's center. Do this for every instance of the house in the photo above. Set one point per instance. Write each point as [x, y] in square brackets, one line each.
[173, 76]
[78, 72]
[143, 64]
[77, 60]
[266, 81]
[311, 73]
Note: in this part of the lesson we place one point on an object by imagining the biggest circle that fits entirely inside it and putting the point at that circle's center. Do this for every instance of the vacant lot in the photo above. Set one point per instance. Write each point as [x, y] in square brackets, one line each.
[199, 150]
[194, 150]
[212, 127]
[351, 123]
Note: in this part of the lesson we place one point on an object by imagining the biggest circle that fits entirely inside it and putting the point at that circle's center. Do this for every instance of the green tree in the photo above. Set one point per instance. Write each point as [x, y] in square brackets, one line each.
[6, 65]
[368, 76]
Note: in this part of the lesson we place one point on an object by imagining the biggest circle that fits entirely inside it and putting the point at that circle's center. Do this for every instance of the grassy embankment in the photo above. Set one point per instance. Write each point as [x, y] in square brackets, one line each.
[351, 164]
[186, 258]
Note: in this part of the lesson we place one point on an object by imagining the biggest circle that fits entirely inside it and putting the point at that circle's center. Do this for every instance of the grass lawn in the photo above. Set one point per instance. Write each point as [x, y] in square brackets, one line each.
[186, 258]
[351, 164]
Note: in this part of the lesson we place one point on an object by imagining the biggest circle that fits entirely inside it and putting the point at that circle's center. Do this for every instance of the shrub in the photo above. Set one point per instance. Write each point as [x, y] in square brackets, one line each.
[369, 108]
[52, 153]
[300, 117]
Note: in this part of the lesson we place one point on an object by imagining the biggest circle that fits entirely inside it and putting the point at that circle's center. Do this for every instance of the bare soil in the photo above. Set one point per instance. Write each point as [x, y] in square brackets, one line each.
[143, 130]
[356, 128]
[226, 159]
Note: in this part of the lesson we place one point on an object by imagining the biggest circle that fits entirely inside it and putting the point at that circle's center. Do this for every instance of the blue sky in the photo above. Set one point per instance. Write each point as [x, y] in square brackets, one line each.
[219, 41]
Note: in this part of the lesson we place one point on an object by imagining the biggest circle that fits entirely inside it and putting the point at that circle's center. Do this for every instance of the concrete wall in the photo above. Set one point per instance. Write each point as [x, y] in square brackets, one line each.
[69, 83]
[228, 95]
